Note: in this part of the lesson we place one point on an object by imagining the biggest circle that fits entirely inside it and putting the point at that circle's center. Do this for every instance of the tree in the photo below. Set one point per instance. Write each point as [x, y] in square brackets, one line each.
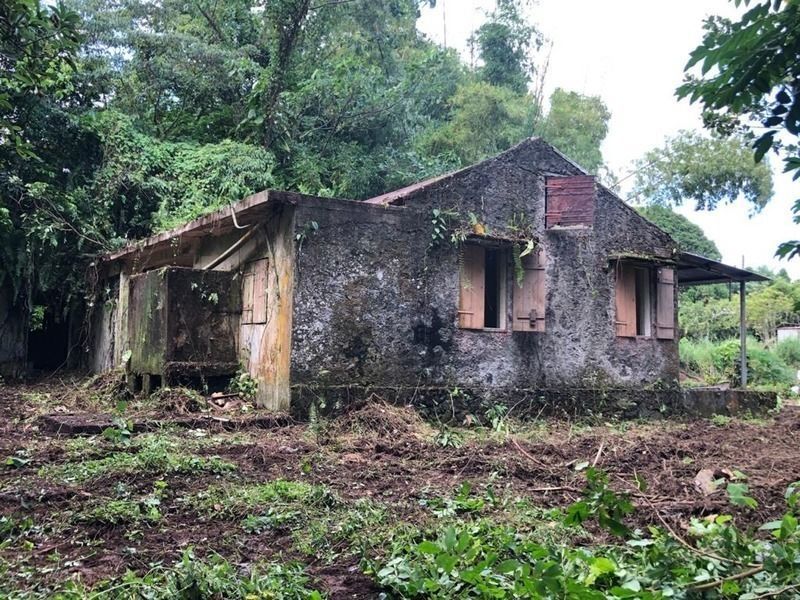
[505, 45]
[38, 44]
[749, 80]
[577, 125]
[767, 308]
[707, 170]
[485, 120]
[690, 237]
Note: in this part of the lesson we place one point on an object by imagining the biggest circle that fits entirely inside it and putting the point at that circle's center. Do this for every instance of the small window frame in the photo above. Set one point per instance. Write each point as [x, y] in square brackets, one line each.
[503, 256]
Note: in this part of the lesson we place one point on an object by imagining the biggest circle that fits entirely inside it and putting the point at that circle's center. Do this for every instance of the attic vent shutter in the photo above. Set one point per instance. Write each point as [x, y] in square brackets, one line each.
[665, 304]
[472, 283]
[529, 298]
[625, 297]
[569, 201]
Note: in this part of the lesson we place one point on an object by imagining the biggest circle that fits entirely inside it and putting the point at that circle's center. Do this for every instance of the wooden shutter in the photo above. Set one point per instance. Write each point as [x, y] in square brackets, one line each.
[254, 292]
[665, 304]
[625, 295]
[569, 201]
[472, 281]
[529, 298]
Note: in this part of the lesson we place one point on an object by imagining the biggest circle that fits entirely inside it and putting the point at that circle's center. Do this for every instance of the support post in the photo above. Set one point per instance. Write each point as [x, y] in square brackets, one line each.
[743, 334]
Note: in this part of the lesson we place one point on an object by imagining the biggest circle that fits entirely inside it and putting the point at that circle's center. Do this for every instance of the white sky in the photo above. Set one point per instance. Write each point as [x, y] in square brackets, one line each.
[631, 53]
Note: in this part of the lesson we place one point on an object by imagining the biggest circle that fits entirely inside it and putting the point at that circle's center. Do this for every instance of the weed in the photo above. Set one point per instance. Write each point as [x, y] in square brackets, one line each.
[448, 438]
[721, 420]
[244, 385]
[116, 512]
[280, 495]
[192, 578]
[151, 454]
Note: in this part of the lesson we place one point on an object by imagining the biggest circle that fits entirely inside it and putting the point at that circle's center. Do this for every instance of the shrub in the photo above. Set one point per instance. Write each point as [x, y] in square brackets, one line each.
[718, 362]
[789, 351]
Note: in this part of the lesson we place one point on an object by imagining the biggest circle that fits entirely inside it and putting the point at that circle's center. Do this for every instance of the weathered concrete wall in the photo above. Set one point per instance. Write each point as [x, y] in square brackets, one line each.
[13, 335]
[374, 305]
[104, 324]
[358, 287]
[184, 322]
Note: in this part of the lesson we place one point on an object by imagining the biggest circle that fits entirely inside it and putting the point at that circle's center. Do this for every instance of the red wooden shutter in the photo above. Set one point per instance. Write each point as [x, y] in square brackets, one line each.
[665, 304]
[529, 298]
[472, 282]
[625, 297]
[569, 201]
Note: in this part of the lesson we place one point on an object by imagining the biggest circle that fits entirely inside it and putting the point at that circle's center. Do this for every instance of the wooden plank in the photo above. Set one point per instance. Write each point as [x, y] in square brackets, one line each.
[472, 283]
[254, 292]
[569, 201]
[665, 304]
[625, 299]
[529, 299]
[247, 296]
[260, 290]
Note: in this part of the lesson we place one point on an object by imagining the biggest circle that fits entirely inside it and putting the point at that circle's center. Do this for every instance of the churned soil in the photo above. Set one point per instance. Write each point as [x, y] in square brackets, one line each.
[378, 452]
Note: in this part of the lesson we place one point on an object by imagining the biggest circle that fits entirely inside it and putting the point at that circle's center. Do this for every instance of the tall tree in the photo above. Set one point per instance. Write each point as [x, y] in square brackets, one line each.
[505, 44]
[577, 125]
[38, 43]
[749, 80]
[707, 170]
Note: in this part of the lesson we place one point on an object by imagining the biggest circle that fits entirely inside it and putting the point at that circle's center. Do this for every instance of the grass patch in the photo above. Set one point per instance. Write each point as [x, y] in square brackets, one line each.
[151, 454]
[117, 512]
[232, 501]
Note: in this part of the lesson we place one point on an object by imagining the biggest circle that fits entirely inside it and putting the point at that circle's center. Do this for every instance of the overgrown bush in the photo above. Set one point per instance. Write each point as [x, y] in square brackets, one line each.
[789, 352]
[719, 362]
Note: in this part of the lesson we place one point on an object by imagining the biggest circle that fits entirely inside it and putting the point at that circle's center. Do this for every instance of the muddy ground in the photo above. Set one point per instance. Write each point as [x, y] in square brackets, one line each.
[380, 454]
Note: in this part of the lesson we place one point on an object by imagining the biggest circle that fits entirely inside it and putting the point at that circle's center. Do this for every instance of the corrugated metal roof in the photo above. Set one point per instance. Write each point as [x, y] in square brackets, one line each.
[694, 269]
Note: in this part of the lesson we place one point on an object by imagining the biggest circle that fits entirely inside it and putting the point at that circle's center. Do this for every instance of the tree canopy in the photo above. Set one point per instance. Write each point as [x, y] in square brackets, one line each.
[689, 236]
[706, 170]
[746, 76]
[142, 115]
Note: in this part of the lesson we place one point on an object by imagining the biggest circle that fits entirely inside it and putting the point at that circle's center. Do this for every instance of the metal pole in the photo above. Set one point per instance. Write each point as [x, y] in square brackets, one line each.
[743, 333]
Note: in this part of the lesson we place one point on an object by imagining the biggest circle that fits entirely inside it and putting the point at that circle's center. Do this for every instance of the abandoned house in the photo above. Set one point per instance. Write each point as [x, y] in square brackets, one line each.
[520, 275]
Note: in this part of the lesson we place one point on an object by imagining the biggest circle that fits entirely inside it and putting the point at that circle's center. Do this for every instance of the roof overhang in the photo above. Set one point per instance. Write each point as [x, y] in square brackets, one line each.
[693, 269]
[240, 215]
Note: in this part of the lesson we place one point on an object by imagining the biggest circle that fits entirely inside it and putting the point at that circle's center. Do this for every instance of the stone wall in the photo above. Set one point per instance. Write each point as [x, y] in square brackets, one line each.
[375, 305]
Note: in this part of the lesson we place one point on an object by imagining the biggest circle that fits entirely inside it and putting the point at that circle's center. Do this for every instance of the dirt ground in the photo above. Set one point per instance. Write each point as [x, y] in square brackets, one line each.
[377, 453]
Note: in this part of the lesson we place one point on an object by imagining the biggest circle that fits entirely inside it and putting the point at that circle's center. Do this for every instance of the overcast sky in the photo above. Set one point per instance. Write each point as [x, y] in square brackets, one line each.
[631, 53]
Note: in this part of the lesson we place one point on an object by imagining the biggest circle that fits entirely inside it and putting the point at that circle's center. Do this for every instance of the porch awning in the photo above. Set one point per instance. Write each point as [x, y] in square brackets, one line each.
[693, 269]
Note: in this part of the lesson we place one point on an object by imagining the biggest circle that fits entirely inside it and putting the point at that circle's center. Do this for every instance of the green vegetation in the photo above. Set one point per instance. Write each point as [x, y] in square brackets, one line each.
[707, 170]
[718, 362]
[193, 578]
[150, 453]
[689, 236]
[744, 75]
[143, 119]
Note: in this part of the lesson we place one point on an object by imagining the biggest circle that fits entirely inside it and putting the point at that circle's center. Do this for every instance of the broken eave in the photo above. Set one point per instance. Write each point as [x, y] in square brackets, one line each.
[242, 215]
[693, 269]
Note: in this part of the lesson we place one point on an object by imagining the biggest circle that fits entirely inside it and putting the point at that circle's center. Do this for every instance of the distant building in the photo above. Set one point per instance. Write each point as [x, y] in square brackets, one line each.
[788, 332]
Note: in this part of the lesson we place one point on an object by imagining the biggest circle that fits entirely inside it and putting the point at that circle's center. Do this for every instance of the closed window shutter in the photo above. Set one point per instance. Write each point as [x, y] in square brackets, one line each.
[665, 304]
[625, 295]
[529, 298]
[569, 201]
[472, 282]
